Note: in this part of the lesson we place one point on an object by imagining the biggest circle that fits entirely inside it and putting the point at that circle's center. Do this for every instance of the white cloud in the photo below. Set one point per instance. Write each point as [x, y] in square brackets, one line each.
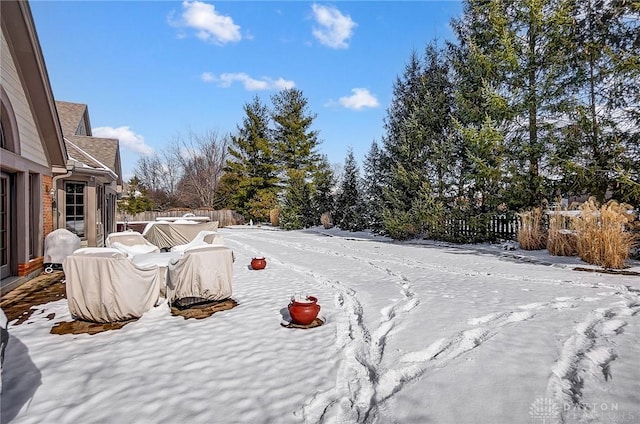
[210, 25]
[360, 99]
[249, 83]
[128, 139]
[208, 77]
[334, 29]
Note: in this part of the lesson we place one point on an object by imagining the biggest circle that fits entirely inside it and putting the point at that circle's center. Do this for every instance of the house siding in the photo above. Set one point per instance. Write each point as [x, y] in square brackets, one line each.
[31, 147]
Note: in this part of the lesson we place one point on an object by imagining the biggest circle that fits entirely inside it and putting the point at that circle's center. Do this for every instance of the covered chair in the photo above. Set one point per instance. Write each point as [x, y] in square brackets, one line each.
[131, 243]
[103, 285]
[203, 238]
[203, 273]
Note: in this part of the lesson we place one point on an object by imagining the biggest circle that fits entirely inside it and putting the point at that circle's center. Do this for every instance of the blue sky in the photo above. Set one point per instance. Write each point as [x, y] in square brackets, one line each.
[153, 70]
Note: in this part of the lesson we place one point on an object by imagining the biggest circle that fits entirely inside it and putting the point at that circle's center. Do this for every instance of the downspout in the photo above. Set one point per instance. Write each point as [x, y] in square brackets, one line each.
[54, 194]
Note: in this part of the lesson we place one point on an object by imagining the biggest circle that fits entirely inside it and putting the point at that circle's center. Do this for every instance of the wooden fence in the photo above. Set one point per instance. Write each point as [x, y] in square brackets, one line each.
[478, 228]
[225, 217]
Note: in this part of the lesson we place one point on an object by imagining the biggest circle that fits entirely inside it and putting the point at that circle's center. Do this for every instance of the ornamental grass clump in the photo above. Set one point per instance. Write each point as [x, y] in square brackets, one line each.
[531, 234]
[274, 216]
[561, 240]
[603, 236]
[326, 221]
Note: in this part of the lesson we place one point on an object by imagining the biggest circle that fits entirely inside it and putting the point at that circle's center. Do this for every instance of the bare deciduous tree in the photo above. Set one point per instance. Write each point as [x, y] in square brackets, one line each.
[201, 158]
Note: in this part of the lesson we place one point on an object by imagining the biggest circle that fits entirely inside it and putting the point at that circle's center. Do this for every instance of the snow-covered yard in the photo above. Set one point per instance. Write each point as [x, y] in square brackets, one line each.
[413, 334]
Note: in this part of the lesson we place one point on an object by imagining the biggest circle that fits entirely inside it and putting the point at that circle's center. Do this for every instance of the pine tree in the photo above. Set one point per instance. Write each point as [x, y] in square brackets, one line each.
[373, 183]
[295, 145]
[252, 167]
[297, 210]
[295, 142]
[323, 186]
[350, 210]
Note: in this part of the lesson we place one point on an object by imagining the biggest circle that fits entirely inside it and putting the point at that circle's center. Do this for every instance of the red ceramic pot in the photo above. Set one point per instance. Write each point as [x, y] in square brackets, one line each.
[303, 313]
[258, 263]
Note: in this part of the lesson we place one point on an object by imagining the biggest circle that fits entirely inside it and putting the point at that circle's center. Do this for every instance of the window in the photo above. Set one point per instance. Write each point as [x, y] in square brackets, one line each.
[75, 208]
[3, 137]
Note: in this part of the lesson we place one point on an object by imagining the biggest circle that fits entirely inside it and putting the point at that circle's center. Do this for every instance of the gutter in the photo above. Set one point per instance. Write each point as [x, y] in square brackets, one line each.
[54, 193]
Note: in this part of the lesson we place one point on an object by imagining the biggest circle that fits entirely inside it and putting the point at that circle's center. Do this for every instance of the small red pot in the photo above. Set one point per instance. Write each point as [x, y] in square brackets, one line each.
[303, 313]
[258, 263]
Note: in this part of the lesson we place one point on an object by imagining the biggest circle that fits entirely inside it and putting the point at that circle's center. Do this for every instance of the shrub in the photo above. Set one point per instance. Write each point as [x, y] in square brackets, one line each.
[274, 216]
[561, 239]
[602, 233]
[531, 234]
[326, 221]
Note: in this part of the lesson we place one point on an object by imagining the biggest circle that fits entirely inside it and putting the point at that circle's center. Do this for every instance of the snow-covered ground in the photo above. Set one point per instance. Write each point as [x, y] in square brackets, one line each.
[414, 333]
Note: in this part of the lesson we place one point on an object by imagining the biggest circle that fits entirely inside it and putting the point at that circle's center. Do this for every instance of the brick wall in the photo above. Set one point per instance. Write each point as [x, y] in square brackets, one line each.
[31, 266]
[47, 205]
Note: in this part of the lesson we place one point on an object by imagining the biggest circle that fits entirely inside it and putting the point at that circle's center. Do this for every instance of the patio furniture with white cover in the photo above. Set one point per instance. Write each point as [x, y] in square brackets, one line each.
[131, 243]
[203, 238]
[203, 273]
[104, 285]
[166, 235]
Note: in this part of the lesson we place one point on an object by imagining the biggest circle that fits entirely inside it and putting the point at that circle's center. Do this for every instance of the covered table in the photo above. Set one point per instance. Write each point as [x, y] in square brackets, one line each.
[160, 260]
[103, 285]
[168, 234]
[203, 273]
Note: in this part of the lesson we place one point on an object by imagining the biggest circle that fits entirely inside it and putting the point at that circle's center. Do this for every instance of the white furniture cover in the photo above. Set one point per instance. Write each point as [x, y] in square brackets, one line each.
[168, 234]
[203, 238]
[161, 260]
[202, 272]
[131, 242]
[103, 285]
[59, 244]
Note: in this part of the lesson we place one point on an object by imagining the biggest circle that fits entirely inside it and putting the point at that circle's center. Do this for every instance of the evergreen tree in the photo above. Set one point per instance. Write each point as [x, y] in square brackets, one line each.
[295, 145]
[252, 167]
[418, 159]
[405, 161]
[373, 183]
[323, 186]
[297, 210]
[295, 142]
[434, 115]
[514, 47]
[350, 207]
[137, 199]
[597, 152]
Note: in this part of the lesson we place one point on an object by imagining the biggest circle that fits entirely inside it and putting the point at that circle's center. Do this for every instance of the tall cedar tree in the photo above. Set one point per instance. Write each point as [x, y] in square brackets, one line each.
[516, 47]
[252, 167]
[418, 154]
[597, 153]
[350, 207]
[402, 142]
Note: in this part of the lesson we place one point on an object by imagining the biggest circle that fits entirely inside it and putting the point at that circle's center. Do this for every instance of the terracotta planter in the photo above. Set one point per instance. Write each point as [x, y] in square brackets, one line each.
[304, 312]
[258, 263]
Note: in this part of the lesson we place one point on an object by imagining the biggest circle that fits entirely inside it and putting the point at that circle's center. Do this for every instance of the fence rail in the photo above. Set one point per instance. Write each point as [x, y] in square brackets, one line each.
[225, 217]
[475, 229]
